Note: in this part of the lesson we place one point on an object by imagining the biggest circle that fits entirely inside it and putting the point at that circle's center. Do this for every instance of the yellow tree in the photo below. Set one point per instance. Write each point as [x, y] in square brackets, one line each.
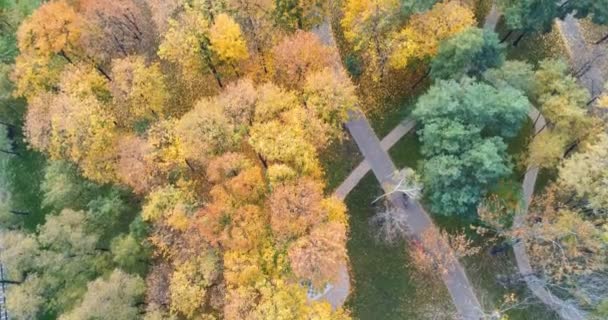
[205, 132]
[138, 90]
[82, 131]
[197, 45]
[55, 28]
[329, 95]
[424, 31]
[227, 41]
[367, 24]
[254, 17]
[47, 40]
[298, 55]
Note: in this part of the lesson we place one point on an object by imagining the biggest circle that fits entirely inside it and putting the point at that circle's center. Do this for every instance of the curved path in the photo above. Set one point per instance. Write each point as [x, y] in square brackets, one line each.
[536, 285]
[590, 76]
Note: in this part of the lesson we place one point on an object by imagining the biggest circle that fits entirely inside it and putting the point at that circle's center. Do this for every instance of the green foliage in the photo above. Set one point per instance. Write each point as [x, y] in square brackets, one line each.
[463, 124]
[409, 7]
[117, 297]
[597, 9]
[64, 187]
[353, 65]
[129, 254]
[516, 74]
[529, 15]
[468, 53]
[493, 111]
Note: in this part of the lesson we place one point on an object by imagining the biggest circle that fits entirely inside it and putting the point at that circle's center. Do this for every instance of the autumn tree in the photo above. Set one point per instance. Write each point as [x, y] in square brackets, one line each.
[117, 29]
[190, 281]
[117, 297]
[138, 90]
[298, 55]
[329, 95]
[529, 15]
[585, 174]
[367, 24]
[169, 204]
[299, 14]
[295, 207]
[257, 26]
[424, 31]
[318, 257]
[198, 45]
[205, 131]
[564, 105]
[48, 39]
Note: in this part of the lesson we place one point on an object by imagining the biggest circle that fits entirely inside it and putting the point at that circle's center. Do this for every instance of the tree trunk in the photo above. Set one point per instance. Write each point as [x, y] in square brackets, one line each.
[506, 36]
[521, 36]
[189, 165]
[8, 124]
[207, 56]
[10, 152]
[604, 38]
[4, 281]
[571, 148]
[105, 74]
[20, 213]
[65, 56]
[426, 75]
[264, 162]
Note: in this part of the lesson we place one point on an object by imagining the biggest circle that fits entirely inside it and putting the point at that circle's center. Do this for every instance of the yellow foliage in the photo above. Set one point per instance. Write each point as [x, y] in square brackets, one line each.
[139, 90]
[336, 210]
[83, 132]
[54, 28]
[227, 39]
[362, 17]
[423, 33]
[189, 283]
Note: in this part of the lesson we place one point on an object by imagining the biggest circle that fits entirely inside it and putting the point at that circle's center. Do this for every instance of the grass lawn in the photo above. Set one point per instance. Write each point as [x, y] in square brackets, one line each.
[385, 284]
[25, 174]
[338, 160]
[406, 152]
[533, 47]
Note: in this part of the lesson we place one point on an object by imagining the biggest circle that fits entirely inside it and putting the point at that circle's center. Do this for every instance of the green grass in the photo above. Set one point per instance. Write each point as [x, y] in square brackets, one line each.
[25, 173]
[385, 284]
[338, 160]
[385, 119]
[533, 47]
[406, 152]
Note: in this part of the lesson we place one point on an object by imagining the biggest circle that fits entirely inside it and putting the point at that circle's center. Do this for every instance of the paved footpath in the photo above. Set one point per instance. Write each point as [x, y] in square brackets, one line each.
[582, 58]
[576, 45]
[418, 220]
[536, 285]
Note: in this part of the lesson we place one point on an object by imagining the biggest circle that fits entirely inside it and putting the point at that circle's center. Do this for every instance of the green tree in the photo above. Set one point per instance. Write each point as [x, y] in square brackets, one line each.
[63, 187]
[129, 253]
[117, 297]
[470, 52]
[529, 15]
[463, 124]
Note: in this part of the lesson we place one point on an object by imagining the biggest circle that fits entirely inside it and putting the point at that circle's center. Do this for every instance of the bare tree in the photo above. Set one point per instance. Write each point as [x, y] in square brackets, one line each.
[389, 224]
[406, 182]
